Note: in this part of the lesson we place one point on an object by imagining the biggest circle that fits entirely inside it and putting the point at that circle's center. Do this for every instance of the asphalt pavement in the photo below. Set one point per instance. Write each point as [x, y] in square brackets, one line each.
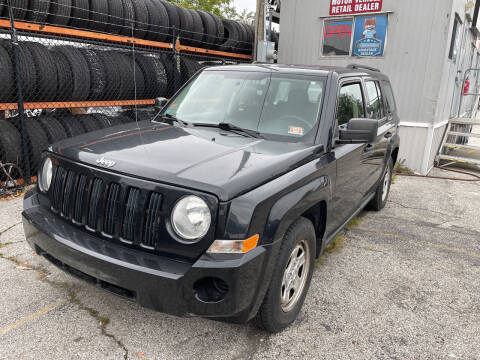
[403, 283]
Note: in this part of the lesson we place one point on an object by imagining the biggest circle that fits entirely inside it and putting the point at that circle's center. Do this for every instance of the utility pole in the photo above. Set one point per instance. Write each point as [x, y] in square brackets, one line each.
[259, 26]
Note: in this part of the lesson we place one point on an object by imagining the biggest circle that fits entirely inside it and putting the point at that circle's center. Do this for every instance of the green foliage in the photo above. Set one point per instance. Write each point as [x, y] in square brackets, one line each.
[222, 8]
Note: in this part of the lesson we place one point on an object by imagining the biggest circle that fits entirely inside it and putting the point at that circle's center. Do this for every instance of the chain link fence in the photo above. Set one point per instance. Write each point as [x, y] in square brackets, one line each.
[74, 66]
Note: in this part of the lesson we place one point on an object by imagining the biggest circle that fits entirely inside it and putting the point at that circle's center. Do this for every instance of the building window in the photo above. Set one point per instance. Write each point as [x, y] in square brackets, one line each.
[362, 36]
[350, 103]
[452, 54]
[337, 37]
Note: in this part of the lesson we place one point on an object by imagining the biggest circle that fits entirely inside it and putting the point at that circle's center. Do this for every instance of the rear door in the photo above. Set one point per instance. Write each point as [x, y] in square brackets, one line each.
[377, 150]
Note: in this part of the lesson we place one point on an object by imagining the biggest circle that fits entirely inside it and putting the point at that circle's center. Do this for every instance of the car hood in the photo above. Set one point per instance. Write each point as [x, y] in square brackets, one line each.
[207, 159]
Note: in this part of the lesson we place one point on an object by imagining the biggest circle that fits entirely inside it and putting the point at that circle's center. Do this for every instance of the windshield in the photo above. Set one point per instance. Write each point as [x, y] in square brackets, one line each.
[267, 103]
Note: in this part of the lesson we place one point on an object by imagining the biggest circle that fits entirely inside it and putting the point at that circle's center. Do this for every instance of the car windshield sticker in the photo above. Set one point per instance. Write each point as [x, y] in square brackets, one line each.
[295, 130]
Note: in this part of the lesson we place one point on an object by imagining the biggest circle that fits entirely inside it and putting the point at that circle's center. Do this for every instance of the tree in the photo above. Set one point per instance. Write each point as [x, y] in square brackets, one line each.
[222, 8]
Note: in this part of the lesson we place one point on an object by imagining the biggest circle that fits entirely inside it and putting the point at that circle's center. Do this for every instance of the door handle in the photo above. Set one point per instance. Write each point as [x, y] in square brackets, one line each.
[388, 135]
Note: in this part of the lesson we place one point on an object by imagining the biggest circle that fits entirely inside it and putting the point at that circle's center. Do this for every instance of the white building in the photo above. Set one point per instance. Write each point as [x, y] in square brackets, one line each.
[424, 46]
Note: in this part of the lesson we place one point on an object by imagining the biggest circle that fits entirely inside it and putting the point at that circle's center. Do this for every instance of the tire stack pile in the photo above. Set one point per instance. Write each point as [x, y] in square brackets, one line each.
[67, 73]
[145, 19]
[46, 129]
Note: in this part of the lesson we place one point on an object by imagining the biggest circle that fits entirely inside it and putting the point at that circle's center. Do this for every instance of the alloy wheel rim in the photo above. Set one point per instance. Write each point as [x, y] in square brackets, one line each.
[386, 184]
[295, 276]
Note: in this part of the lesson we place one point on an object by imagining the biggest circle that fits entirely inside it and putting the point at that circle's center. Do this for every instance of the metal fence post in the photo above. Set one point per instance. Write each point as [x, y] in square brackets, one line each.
[175, 58]
[21, 114]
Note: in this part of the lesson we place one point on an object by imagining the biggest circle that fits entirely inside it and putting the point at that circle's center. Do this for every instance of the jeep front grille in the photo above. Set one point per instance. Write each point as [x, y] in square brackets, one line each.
[125, 213]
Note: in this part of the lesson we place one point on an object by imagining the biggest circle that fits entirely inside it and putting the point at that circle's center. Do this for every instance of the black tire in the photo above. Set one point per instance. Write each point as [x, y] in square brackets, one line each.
[10, 144]
[198, 29]
[28, 74]
[38, 11]
[173, 19]
[154, 74]
[46, 71]
[37, 140]
[64, 76]
[129, 16]
[113, 88]
[19, 9]
[98, 76]
[115, 16]
[125, 68]
[271, 316]
[174, 79]
[220, 32]
[80, 14]
[80, 72]
[159, 23]
[139, 82]
[380, 200]
[124, 119]
[60, 11]
[209, 29]
[243, 40]
[114, 120]
[88, 122]
[71, 124]
[188, 68]
[7, 79]
[102, 121]
[53, 129]
[186, 25]
[231, 36]
[141, 18]
[98, 15]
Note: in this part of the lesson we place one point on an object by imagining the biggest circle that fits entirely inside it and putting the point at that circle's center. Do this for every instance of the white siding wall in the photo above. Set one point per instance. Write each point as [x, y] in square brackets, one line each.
[416, 60]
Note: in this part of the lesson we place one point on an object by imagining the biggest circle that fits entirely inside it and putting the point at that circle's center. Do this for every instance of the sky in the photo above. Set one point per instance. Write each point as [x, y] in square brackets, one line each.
[245, 4]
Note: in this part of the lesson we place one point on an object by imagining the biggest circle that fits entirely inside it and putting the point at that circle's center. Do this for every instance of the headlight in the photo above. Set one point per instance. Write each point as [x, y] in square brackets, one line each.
[191, 218]
[45, 175]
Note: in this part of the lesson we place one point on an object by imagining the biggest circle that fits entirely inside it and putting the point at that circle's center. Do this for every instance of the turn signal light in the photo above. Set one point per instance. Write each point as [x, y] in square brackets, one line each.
[233, 246]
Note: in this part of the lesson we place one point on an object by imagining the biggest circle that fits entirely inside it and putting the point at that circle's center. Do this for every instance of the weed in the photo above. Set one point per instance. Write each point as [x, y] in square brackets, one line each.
[400, 168]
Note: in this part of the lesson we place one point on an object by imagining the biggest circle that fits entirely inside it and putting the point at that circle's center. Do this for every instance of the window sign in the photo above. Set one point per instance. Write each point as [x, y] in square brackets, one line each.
[337, 37]
[369, 36]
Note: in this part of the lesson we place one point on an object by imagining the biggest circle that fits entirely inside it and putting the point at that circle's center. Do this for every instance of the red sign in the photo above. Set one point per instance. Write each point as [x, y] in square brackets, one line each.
[349, 7]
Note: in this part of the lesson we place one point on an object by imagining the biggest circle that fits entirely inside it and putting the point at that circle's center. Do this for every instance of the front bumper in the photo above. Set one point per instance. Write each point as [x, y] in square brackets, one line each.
[153, 281]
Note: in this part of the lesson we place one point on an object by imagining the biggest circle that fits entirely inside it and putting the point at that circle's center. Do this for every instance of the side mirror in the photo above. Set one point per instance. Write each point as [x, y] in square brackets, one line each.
[160, 102]
[359, 131]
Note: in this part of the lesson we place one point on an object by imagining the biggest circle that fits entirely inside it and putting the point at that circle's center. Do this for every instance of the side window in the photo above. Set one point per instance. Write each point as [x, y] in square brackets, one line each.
[390, 100]
[350, 103]
[374, 100]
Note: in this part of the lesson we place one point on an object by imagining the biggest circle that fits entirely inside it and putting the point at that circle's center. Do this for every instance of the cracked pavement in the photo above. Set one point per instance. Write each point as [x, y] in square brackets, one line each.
[404, 284]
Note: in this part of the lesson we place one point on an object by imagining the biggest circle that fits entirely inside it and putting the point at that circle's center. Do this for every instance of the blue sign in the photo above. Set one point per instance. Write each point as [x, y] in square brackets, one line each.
[369, 36]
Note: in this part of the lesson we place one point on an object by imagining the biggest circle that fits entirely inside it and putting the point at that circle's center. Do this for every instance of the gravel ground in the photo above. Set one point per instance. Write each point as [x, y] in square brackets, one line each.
[402, 284]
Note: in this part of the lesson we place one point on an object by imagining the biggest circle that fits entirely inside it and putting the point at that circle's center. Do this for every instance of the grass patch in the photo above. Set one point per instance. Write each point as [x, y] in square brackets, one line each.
[401, 169]
[335, 244]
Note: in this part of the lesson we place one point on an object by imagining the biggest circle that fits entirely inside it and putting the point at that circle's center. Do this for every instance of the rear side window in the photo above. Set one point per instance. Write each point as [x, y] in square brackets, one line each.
[374, 103]
[350, 103]
[390, 100]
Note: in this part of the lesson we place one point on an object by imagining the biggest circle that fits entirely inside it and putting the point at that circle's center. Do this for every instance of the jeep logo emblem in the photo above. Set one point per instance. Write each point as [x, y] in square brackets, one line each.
[105, 162]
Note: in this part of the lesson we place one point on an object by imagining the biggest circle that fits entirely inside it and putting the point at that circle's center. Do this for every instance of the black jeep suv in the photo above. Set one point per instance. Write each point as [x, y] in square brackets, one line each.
[219, 205]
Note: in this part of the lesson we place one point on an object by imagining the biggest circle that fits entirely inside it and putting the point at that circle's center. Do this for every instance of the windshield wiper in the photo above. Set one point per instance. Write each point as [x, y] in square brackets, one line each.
[172, 119]
[231, 127]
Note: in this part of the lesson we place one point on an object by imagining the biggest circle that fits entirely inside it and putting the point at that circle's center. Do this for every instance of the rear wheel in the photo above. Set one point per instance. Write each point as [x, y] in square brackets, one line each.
[383, 189]
[291, 278]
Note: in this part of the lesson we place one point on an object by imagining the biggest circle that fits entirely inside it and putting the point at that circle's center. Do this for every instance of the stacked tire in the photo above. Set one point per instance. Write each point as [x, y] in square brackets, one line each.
[156, 20]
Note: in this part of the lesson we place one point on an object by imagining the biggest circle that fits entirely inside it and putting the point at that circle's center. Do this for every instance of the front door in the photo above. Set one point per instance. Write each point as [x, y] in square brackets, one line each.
[353, 170]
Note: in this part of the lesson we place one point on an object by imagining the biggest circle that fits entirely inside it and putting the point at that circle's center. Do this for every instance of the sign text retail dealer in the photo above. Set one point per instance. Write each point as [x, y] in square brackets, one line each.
[347, 7]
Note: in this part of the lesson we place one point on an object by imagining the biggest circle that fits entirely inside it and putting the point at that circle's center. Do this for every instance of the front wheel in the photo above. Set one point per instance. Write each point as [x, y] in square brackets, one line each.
[291, 278]
[383, 189]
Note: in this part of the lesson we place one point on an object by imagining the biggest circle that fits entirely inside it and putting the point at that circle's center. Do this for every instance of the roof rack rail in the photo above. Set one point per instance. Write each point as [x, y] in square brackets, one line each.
[358, 66]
